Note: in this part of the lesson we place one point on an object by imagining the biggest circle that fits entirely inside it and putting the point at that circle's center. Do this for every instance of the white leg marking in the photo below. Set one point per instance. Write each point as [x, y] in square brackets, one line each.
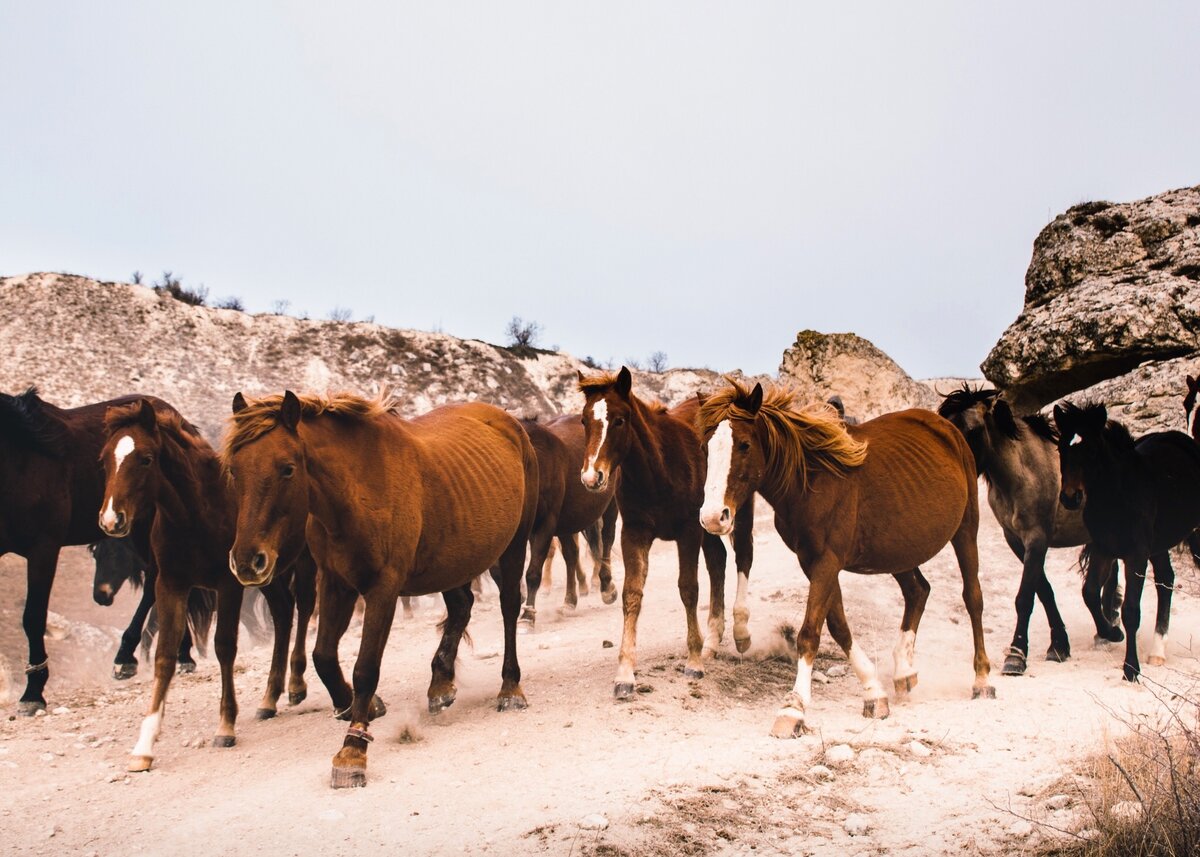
[741, 613]
[802, 689]
[905, 653]
[720, 460]
[864, 668]
[1158, 648]
[600, 415]
[150, 729]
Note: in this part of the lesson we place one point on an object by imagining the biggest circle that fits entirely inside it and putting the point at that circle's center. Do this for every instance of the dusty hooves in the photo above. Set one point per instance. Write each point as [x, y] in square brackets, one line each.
[124, 671]
[742, 644]
[440, 703]
[905, 684]
[378, 708]
[297, 698]
[1116, 635]
[986, 692]
[1156, 661]
[693, 673]
[29, 709]
[525, 625]
[224, 741]
[568, 609]
[264, 714]
[608, 596]
[1014, 664]
[1058, 654]
[623, 690]
[787, 727]
[512, 703]
[185, 667]
[139, 764]
[876, 709]
[348, 778]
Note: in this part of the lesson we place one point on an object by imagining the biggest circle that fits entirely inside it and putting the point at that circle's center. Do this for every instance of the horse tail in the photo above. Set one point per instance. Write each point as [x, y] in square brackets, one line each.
[201, 606]
[1086, 560]
[592, 534]
[466, 634]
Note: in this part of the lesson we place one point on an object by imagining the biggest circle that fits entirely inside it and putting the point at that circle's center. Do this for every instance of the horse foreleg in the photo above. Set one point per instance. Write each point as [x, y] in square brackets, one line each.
[350, 763]
[1164, 586]
[172, 613]
[823, 594]
[576, 581]
[1033, 573]
[635, 547]
[688, 546]
[966, 550]
[511, 695]
[715, 557]
[1110, 593]
[336, 607]
[603, 572]
[229, 610]
[304, 591]
[442, 691]
[915, 589]
[40, 567]
[1097, 573]
[282, 604]
[539, 546]
[125, 664]
[743, 556]
[1131, 614]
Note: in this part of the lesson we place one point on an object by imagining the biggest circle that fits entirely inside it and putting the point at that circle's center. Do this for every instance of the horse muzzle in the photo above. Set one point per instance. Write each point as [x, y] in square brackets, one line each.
[115, 524]
[718, 521]
[594, 479]
[1071, 499]
[103, 594]
[256, 569]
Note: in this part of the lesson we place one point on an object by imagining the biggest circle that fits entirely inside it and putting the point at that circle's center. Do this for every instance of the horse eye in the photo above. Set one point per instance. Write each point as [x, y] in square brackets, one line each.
[288, 471]
[744, 446]
[147, 460]
[619, 421]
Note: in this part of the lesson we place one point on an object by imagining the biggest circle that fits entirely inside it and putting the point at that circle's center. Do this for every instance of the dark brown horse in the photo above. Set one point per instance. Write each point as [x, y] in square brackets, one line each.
[51, 483]
[156, 470]
[389, 507]
[565, 508]
[878, 498]
[661, 487]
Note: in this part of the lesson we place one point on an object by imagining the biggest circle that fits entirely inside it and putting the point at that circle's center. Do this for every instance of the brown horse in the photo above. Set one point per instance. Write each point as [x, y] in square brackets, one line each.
[878, 498]
[51, 483]
[158, 471]
[389, 507]
[565, 508]
[661, 487]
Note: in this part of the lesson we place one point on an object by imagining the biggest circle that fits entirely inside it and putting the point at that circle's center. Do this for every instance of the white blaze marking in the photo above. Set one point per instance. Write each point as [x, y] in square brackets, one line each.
[149, 734]
[904, 654]
[865, 670]
[600, 415]
[1075, 441]
[108, 517]
[720, 460]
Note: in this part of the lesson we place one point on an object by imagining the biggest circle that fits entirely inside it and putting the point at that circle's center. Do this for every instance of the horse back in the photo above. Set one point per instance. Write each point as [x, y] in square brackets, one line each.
[1172, 460]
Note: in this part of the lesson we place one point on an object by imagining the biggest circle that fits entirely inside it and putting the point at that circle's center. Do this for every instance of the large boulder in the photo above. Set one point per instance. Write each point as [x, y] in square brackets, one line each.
[820, 365]
[1109, 288]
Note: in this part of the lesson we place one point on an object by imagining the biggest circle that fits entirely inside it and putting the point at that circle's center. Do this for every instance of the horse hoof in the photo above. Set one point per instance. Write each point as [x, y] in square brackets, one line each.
[185, 667]
[568, 607]
[1058, 654]
[264, 714]
[297, 698]
[1014, 664]
[1156, 660]
[608, 596]
[905, 683]
[440, 703]
[224, 741]
[742, 644]
[985, 692]
[512, 703]
[786, 726]
[124, 671]
[693, 673]
[623, 690]
[29, 709]
[1114, 636]
[378, 708]
[348, 778]
[1131, 674]
[524, 625]
[139, 764]
[876, 709]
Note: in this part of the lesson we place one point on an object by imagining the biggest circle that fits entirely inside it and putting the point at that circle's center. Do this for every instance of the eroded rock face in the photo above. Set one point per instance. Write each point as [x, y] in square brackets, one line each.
[1110, 287]
[870, 383]
[1150, 398]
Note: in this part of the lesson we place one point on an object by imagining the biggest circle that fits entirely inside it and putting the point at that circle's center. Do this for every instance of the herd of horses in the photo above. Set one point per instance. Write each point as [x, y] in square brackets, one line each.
[318, 501]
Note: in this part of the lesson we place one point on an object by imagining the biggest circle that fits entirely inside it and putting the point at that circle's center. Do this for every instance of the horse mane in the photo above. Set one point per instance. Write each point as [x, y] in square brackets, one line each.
[1041, 427]
[169, 420]
[24, 419]
[966, 396]
[184, 449]
[261, 415]
[797, 439]
[605, 380]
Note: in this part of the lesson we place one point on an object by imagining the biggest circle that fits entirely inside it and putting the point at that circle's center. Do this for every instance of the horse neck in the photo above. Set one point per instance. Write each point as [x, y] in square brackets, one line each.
[1112, 484]
[331, 463]
[646, 458]
[203, 501]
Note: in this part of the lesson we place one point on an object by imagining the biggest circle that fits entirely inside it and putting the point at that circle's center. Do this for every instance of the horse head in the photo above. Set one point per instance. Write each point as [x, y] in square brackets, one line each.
[128, 457]
[606, 413]
[736, 458]
[264, 457]
[1080, 444]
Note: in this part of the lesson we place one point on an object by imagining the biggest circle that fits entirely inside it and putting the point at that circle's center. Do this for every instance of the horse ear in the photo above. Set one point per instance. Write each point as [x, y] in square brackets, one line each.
[289, 411]
[1060, 414]
[1193, 384]
[239, 402]
[624, 383]
[1004, 418]
[1099, 418]
[146, 416]
[756, 397]
[579, 372]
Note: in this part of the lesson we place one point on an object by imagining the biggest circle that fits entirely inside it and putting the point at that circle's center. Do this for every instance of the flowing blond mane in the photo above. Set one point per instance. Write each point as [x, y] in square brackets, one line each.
[796, 439]
[261, 415]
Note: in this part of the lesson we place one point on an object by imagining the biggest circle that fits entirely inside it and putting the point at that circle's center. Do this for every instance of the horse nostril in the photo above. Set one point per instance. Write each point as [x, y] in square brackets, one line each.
[725, 515]
[260, 562]
[599, 477]
[120, 520]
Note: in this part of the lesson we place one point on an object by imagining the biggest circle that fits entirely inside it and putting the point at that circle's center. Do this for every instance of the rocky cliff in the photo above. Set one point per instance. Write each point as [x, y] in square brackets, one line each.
[1112, 310]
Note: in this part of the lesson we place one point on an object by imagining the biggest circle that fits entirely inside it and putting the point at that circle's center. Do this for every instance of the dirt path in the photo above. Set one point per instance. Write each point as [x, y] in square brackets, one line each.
[686, 768]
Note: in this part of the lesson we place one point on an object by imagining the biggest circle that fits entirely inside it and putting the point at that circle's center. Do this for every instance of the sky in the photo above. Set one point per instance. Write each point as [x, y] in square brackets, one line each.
[701, 179]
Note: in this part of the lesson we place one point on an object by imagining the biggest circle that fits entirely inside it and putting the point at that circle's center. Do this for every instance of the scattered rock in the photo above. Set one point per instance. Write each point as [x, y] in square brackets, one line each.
[820, 677]
[607, 644]
[839, 754]
[820, 773]
[595, 821]
[1058, 802]
[918, 748]
[47, 757]
[62, 709]
[836, 671]
[1126, 810]
[1020, 828]
[857, 824]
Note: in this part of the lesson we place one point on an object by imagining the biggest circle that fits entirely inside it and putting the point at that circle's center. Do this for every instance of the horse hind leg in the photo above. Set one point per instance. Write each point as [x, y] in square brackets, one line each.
[715, 557]
[1164, 586]
[281, 604]
[602, 554]
[304, 593]
[40, 567]
[511, 696]
[172, 610]
[576, 581]
[915, 589]
[966, 550]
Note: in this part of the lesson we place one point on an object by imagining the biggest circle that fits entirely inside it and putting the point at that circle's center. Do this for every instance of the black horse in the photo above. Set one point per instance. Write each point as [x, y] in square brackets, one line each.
[1018, 459]
[1142, 499]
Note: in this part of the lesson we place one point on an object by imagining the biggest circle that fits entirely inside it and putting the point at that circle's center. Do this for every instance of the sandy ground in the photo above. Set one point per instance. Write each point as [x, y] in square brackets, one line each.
[686, 768]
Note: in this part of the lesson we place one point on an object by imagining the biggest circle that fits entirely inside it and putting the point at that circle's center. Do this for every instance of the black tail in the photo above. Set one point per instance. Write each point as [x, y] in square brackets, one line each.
[466, 634]
[592, 535]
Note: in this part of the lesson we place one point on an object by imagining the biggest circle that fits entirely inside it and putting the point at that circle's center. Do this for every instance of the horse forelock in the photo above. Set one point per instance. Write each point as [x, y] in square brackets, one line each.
[168, 419]
[597, 383]
[1041, 427]
[262, 415]
[795, 439]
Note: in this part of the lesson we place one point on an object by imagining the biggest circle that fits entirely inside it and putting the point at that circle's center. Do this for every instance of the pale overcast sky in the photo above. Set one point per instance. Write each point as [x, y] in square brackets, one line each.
[702, 179]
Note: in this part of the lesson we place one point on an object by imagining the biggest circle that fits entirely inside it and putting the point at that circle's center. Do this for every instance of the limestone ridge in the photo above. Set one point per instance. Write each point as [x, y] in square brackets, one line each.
[1112, 310]
[870, 383]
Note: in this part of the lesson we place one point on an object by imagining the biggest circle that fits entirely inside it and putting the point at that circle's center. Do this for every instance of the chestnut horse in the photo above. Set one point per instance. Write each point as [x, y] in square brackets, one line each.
[661, 465]
[565, 508]
[877, 498]
[51, 483]
[1139, 498]
[158, 471]
[390, 507]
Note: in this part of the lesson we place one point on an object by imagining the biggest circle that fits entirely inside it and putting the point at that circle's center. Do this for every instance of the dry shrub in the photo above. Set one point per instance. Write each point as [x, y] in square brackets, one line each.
[1143, 796]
